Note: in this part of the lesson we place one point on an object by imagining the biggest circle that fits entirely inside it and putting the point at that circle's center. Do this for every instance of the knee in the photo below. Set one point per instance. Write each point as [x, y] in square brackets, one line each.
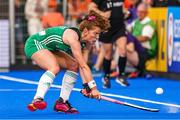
[130, 48]
[108, 54]
[73, 66]
[121, 46]
[122, 50]
[55, 69]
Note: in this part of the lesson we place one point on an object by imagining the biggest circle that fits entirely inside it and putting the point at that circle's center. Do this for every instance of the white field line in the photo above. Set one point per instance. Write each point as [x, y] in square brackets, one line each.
[24, 90]
[77, 89]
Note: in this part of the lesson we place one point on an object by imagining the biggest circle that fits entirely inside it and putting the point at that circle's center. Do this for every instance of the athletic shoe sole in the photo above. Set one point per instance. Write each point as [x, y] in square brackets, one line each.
[37, 105]
[122, 84]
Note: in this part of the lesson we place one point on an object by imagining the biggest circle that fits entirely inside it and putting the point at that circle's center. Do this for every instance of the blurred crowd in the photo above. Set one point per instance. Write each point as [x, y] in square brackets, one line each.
[31, 16]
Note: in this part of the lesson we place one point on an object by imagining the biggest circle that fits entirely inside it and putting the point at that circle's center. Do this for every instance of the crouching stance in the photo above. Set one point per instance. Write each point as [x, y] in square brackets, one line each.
[64, 48]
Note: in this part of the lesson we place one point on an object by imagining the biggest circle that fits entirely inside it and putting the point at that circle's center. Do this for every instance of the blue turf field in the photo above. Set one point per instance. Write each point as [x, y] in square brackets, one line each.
[17, 89]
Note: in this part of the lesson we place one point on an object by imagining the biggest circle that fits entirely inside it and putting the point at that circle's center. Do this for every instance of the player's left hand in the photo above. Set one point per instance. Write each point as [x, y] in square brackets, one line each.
[92, 93]
[85, 93]
[86, 90]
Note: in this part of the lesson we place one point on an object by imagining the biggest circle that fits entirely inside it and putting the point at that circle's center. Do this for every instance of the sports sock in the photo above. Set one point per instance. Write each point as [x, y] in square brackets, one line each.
[122, 64]
[141, 65]
[68, 83]
[106, 67]
[44, 84]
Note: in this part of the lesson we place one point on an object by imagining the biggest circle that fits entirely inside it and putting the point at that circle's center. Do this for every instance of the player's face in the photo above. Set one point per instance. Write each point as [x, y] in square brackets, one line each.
[93, 34]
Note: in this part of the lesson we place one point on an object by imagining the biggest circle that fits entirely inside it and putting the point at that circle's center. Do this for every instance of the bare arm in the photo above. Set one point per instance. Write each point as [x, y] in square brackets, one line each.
[126, 12]
[93, 6]
[85, 53]
[142, 38]
[71, 38]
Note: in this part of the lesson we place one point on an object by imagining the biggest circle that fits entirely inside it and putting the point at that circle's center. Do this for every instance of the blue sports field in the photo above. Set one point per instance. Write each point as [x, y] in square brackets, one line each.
[17, 89]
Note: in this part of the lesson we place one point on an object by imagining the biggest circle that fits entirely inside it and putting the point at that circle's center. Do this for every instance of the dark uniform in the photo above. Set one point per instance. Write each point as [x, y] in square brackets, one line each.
[116, 31]
[117, 28]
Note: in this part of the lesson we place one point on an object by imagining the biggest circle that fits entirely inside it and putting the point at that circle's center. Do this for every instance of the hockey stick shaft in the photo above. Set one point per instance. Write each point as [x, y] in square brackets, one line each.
[128, 104]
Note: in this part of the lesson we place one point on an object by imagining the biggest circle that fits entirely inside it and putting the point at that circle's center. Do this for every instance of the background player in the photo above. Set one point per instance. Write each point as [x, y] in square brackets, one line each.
[114, 11]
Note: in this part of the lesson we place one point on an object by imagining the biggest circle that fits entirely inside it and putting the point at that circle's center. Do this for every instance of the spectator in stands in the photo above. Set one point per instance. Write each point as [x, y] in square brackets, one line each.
[173, 2]
[142, 44]
[52, 18]
[76, 9]
[114, 10]
[130, 3]
[160, 3]
[34, 9]
[60, 6]
[149, 3]
[131, 6]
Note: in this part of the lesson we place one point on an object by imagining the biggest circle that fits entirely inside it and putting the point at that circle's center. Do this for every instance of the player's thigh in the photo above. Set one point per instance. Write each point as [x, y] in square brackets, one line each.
[66, 61]
[46, 60]
[133, 58]
[121, 44]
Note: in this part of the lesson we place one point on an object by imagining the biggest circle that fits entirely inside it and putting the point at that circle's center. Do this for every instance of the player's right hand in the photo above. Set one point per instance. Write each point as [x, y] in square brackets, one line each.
[95, 94]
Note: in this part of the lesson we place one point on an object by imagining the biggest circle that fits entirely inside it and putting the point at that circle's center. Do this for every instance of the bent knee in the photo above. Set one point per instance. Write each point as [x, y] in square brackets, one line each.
[55, 69]
[73, 66]
[130, 48]
[122, 51]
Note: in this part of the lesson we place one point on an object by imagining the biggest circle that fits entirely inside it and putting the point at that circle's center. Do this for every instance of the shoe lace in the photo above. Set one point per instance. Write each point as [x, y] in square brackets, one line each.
[60, 100]
[106, 79]
[67, 103]
[107, 76]
[38, 100]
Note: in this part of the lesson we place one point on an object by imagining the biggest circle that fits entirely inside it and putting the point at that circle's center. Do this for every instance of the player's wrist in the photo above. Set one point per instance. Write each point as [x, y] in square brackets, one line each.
[94, 88]
[86, 87]
[92, 84]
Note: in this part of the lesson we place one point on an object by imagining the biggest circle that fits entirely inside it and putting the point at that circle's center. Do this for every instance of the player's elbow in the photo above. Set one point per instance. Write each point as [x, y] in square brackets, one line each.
[83, 66]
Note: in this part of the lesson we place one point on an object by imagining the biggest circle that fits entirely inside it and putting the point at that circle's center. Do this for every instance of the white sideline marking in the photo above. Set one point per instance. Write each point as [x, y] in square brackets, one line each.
[24, 90]
[77, 89]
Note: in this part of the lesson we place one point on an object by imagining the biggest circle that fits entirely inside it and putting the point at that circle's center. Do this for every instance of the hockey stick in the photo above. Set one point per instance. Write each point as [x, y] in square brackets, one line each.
[128, 104]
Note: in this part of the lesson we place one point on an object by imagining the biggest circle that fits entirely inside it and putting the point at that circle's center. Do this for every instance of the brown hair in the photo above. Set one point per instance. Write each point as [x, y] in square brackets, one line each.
[94, 19]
